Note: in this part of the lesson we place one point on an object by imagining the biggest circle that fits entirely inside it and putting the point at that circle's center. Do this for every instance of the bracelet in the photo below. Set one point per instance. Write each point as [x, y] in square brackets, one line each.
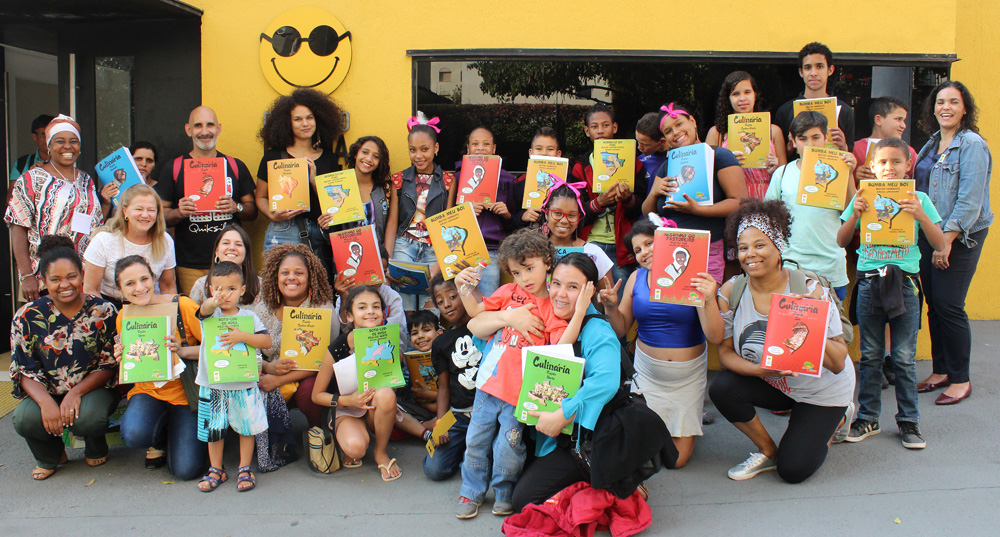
[22, 277]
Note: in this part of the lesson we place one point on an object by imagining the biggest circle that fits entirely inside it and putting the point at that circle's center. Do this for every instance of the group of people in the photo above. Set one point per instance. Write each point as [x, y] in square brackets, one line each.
[80, 259]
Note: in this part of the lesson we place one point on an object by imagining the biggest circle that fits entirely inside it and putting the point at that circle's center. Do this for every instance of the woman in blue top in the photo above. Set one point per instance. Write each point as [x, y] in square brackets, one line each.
[953, 169]
[671, 357]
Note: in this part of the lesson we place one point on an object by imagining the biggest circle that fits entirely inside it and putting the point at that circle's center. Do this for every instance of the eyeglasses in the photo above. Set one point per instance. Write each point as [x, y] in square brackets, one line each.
[323, 40]
[559, 215]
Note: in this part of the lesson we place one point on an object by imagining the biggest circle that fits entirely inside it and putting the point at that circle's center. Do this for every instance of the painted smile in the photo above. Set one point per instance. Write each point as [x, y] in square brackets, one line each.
[286, 81]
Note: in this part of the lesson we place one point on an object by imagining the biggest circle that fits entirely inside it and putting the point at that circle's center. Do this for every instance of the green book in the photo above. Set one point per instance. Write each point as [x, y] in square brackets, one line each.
[550, 373]
[377, 351]
[145, 358]
[236, 364]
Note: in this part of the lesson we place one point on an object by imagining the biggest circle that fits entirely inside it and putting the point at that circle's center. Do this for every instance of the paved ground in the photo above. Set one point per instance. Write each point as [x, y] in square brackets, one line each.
[872, 488]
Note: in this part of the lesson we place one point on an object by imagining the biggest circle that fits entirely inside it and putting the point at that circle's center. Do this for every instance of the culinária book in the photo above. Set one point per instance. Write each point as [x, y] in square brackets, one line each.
[288, 184]
[541, 175]
[235, 364]
[550, 373]
[413, 278]
[455, 236]
[305, 335]
[356, 254]
[145, 357]
[421, 366]
[693, 167]
[205, 182]
[823, 178]
[614, 162]
[678, 256]
[340, 196]
[479, 179]
[119, 168]
[796, 335]
[885, 222]
[377, 352]
[750, 134]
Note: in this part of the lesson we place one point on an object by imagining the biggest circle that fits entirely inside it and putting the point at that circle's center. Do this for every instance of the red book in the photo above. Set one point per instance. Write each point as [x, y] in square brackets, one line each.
[356, 254]
[678, 256]
[205, 182]
[480, 179]
[796, 335]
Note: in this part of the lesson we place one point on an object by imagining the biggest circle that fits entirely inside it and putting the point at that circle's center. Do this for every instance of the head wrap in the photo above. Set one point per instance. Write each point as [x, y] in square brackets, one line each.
[672, 112]
[61, 123]
[762, 223]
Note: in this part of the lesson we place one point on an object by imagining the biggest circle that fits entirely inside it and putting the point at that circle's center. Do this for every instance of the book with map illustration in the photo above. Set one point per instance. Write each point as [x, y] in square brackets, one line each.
[305, 335]
[340, 196]
[751, 135]
[377, 352]
[541, 175]
[550, 373]
[288, 184]
[456, 237]
[614, 162]
[234, 364]
[823, 178]
[885, 222]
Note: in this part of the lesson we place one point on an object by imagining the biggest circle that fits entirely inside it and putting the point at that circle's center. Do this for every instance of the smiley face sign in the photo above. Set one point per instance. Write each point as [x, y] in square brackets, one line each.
[305, 47]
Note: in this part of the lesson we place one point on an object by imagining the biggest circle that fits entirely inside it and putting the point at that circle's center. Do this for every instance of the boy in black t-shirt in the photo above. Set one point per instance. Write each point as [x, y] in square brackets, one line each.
[456, 361]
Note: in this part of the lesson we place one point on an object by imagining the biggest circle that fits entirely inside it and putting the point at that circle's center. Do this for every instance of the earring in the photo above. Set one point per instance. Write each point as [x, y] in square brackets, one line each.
[216, 259]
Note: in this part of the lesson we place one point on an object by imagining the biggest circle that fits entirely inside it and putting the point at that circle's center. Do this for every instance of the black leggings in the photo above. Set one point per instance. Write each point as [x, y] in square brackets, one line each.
[544, 477]
[804, 445]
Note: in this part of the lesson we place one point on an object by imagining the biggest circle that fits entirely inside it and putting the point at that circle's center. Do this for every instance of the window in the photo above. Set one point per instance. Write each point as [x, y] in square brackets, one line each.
[114, 107]
[444, 75]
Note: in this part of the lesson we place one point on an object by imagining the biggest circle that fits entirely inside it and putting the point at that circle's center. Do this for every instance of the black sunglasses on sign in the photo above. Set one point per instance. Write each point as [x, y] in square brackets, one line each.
[323, 40]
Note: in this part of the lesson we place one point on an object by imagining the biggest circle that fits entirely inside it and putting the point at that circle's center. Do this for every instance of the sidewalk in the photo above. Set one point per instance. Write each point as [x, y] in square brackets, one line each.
[950, 488]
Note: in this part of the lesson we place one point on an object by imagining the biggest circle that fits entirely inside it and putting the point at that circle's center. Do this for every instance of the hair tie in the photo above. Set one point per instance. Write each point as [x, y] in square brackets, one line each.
[763, 224]
[572, 186]
[421, 119]
[661, 222]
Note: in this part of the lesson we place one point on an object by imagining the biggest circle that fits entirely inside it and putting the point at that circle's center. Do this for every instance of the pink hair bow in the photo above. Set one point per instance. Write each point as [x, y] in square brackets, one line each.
[673, 112]
[575, 187]
[415, 120]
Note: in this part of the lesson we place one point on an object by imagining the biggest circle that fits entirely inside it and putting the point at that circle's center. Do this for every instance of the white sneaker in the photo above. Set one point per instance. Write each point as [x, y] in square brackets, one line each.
[757, 463]
[845, 429]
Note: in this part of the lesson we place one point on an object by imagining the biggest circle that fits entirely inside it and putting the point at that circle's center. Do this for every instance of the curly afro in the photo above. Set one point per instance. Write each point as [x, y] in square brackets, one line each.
[276, 133]
[320, 291]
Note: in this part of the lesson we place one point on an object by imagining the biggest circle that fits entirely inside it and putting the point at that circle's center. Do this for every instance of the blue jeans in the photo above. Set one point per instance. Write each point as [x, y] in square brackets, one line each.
[617, 273]
[903, 333]
[288, 232]
[494, 433]
[490, 281]
[409, 250]
[149, 422]
[447, 457]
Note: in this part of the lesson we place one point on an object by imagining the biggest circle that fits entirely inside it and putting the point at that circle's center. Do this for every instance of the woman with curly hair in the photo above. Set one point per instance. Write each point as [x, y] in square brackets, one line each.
[369, 157]
[305, 125]
[817, 405]
[231, 244]
[739, 95]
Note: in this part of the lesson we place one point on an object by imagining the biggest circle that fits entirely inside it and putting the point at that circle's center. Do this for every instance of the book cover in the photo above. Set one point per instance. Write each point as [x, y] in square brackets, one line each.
[870, 151]
[796, 335]
[563, 251]
[377, 352]
[751, 135]
[693, 166]
[479, 179]
[824, 105]
[421, 367]
[305, 335]
[678, 256]
[339, 195]
[885, 222]
[823, 179]
[119, 168]
[550, 373]
[288, 184]
[455, 236]
[413, 278]
[145, 357]
[356, 254]
[442, 426]
[614, 162]
[541, 175]
[205, 182]
[235, 364]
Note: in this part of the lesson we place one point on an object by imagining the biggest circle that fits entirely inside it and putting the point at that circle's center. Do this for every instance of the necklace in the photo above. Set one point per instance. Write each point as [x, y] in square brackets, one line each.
[56, 168]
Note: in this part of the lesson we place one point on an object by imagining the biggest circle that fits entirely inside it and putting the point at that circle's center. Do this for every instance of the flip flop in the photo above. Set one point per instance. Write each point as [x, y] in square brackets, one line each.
[214, 482]
[97, 462]
[41, 474]
[387, 476]
[352, 463]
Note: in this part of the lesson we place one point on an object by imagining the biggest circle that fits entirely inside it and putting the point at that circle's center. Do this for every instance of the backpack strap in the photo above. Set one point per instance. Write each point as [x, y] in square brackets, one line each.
[578, 345]
[736, 291]
[180, 321]
[177, 167]
[797, 282]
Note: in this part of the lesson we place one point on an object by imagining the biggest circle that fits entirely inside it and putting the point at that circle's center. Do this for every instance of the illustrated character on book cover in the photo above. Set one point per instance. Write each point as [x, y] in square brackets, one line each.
[119, 177]
[825, 174]
[478, 173]
[612, 162]
[686, 176]
[681, 259]
[356, 253]
[338, 194]
[455, 237]
[886, 209]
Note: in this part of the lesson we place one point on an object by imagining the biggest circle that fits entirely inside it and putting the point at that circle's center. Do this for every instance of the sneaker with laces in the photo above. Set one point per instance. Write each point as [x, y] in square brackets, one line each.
[910, 433]
[466, 508]
[755, 464]
[861, 429]
[501, 508]
[845, 429]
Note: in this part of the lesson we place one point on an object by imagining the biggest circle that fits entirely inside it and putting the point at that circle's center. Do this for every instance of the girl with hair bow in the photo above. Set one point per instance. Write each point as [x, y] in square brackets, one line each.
[563, 209]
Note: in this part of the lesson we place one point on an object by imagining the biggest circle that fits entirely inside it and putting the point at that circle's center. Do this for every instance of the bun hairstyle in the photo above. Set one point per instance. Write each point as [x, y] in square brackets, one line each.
[55, 247]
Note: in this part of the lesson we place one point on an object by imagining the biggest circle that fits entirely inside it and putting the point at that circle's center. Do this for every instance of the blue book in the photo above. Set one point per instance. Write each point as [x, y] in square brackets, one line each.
[119, 168]
[562, 251]
[414, 278]
[693, 166]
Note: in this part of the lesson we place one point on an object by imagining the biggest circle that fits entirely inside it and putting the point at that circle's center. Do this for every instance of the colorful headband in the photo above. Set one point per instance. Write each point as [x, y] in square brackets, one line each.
[672, 113]
[61, 123]
[421, 119]
[575, 187]
[659, 221]
[761, 222]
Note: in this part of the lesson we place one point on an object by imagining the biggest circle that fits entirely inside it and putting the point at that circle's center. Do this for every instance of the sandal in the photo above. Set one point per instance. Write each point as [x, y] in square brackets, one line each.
[157, 460]
[41, 474]
[219, 478]
[387, 471]
[245, 475]
[97, 462]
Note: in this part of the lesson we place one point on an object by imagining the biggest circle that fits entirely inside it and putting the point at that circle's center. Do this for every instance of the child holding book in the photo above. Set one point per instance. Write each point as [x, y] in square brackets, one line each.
[545, 143]
[235, 404]
[889, 294]
[888, 116]
[652, 145]
[813, 242]
[417, 401]
[456, 361]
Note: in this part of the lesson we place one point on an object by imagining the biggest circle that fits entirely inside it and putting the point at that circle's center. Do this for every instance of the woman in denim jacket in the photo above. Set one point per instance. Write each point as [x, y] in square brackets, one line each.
[953, 169]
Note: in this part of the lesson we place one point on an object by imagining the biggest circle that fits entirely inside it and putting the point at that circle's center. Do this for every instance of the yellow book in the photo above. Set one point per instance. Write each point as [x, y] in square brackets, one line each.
[870, 151]
[823, 179]
[614, 162]
[455, 236]
[305, 335]
[751, 135]
[541, 175]
[824, 105]
[340, 196]
[442, 427]
[288, 184]
[885, 222]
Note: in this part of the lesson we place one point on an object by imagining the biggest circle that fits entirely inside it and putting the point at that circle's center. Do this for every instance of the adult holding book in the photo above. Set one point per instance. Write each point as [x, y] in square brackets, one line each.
[137, 227]
[953, 169]
[162, 418]
[62, 362]
[760, 230]
[231, 244]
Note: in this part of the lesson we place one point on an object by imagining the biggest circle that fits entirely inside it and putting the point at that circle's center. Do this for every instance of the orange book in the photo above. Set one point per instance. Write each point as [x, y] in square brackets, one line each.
[541, 175]
[795, 339]
[480, 179]
[356, 254]
[288, 184]
[455, 236]
[823, 179]
[678, 256]
[205, 182]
